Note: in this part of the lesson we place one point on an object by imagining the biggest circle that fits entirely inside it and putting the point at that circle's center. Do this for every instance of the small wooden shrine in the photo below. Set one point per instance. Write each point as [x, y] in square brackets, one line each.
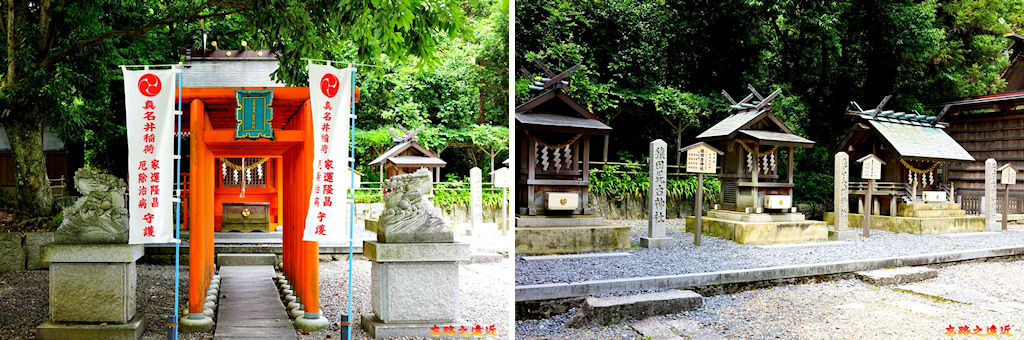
[753, 139]
[757, 198]
[554, 149]
[407, 155]
[913, 147]
[916, 153]
[553, 133]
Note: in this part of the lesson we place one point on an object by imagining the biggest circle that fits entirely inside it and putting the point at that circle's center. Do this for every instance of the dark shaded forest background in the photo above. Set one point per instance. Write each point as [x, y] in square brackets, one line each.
[655, 69]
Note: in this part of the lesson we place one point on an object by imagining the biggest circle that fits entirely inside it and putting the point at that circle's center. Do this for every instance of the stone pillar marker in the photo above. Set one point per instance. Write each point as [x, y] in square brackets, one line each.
[841, 201]
[656, 198]
[990, 196]
[475, 201]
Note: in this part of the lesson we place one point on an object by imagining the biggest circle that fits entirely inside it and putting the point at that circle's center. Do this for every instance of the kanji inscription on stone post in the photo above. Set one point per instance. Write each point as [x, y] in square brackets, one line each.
[656, 198]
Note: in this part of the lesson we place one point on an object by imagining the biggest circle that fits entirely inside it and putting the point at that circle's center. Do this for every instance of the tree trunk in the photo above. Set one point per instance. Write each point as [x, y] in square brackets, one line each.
[26, 138]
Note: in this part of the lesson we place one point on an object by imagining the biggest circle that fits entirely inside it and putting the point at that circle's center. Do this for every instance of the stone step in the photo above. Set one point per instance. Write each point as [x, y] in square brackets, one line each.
[948, 292]
[934, 213]
[885, 277]
[610, 310]
[246, 259]
[763, 217]
[902, 207]
[681, 328]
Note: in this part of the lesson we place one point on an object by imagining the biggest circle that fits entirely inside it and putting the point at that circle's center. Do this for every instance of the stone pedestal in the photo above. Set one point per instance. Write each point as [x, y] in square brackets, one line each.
[413, 287]
[92, 284]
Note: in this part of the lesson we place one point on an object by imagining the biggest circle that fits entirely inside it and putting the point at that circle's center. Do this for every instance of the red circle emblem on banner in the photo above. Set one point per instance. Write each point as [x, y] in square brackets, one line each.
[149, 85]
[329, 85]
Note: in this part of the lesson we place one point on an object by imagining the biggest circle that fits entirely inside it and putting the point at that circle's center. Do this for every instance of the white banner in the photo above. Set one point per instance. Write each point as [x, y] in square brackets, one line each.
[330, 97]
[149, 106]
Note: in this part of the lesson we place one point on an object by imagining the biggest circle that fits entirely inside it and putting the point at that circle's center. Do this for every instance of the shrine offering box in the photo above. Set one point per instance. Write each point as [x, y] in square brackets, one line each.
[247, 216]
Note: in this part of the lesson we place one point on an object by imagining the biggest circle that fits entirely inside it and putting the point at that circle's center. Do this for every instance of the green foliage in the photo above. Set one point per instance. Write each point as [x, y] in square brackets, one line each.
[632, 181]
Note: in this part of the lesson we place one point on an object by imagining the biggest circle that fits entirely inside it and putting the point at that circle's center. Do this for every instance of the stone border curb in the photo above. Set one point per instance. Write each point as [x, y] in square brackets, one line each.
[550, 291]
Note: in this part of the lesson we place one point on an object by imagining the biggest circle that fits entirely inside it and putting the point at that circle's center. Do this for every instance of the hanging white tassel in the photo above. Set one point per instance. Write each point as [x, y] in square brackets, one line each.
[568, 157]
[259, 170]
[773, 160]
[248, 175]
[544, 158]
[223, 170]
[931, 178]
[235, 175]
[764, 168]
[750, 163]
[558, 159]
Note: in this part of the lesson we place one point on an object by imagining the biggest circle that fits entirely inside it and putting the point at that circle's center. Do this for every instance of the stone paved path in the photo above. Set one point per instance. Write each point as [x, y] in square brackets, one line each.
[252, 308]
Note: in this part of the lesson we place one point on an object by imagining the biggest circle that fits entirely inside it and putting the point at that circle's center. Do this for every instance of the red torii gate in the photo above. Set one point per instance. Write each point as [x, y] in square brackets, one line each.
[212, 128]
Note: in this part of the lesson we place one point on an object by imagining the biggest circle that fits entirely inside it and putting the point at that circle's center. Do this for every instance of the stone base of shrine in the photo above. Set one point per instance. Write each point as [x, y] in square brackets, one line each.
[916, 225]
[538, 235]
[70, 331]
[380, 330]
[761, 228]
[563, 240]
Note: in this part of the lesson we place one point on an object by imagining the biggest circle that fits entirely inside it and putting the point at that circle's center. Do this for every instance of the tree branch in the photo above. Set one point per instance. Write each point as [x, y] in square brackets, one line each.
[81, 44]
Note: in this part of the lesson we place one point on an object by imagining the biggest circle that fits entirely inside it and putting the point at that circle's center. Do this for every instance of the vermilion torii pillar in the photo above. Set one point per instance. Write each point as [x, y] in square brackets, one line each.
[211, 113]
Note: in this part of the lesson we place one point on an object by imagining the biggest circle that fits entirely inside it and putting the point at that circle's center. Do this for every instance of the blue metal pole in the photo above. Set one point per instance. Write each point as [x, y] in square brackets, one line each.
[177, 205]
[352, 196]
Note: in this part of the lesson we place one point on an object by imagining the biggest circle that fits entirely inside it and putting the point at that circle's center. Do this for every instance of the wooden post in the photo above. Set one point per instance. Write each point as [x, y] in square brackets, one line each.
[698, 207]
[867, 208]
[1006, 203]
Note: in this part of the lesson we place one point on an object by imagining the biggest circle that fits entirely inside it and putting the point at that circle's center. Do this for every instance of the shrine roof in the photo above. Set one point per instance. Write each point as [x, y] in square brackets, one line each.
[554, 122]
[922, 142]
[730, 124]
[777, 138]
[395, 151]
[407, 161]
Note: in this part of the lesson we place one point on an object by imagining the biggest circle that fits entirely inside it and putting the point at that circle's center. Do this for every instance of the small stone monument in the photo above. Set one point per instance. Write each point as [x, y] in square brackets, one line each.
[990, 196]
[475, 200]
[841, 229]
[414, 275]
[656, 198]
[92, 268]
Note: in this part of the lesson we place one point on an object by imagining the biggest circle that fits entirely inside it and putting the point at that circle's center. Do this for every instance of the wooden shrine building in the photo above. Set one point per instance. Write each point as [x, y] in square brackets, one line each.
[912, 146]
[552, 167]
[276, 135]
[407, 155]
[989, 126]
[757, 196]
[554, 133]
[753, 139]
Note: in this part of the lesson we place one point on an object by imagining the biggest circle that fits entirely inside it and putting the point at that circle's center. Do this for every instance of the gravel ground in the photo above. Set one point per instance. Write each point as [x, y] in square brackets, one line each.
[716, 254]
[25, 300]
[483, 290]
[844, 309]
[483, 296]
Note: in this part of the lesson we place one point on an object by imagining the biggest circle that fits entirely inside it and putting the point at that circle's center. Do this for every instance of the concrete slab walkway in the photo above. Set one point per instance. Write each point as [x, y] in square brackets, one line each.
[252, 308]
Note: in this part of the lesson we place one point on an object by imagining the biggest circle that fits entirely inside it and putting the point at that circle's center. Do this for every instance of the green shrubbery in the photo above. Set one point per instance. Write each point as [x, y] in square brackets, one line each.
[631, 181]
